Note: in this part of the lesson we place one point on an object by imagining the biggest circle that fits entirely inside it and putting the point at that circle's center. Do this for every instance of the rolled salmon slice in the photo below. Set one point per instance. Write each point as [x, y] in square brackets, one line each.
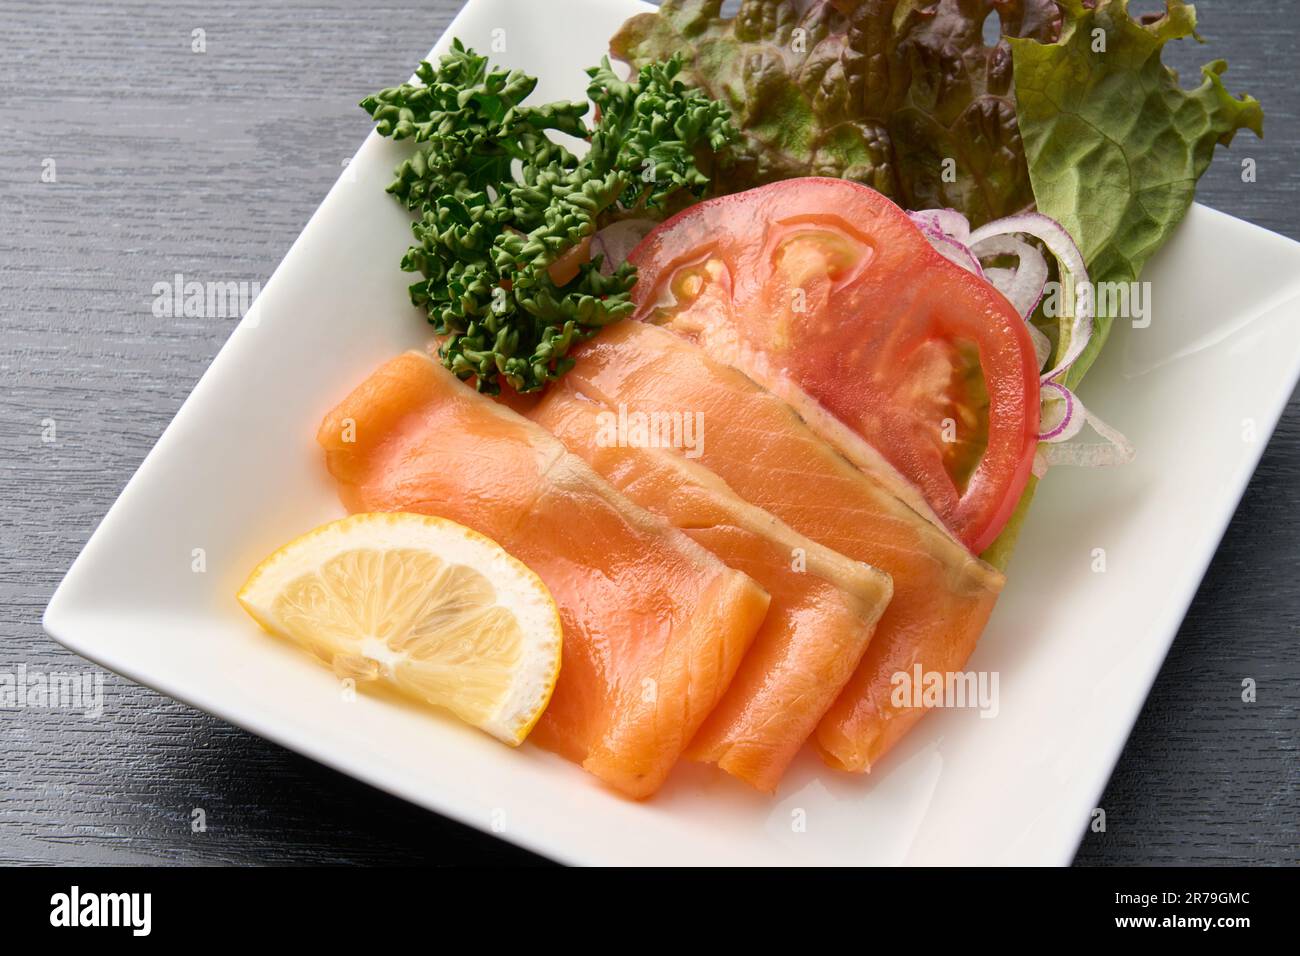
[824, 605]
[654, 625]
[767, 454]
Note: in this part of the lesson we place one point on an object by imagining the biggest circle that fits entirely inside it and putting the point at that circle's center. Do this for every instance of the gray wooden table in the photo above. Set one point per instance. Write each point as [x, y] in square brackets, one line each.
[166, 160]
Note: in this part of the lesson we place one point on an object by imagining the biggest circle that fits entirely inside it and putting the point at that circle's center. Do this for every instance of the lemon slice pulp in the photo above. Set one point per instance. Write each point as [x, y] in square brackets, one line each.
[430, 607]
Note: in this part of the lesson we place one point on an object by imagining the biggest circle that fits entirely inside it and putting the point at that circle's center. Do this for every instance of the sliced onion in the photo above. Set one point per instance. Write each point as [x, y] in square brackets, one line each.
[956, 252]
[1056, 447]
[1072, 415]
[617, 240]
[947, 230]
[1067, 253]
[1042, 345]
[1114, 449]
[1023, 286]
[947, 221]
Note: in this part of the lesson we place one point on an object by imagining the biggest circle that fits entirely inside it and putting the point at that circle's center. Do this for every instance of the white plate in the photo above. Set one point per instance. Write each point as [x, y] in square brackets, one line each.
[238, 473]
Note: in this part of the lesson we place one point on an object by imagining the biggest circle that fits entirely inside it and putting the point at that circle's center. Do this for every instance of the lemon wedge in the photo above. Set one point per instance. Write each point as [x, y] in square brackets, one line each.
[430, 607]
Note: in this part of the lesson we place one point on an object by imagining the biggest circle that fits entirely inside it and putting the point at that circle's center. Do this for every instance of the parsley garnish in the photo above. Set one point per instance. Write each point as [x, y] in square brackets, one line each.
[499, 201]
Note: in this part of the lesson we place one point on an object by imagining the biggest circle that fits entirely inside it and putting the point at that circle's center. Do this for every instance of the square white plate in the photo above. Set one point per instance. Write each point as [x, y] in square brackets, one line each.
[238, 473]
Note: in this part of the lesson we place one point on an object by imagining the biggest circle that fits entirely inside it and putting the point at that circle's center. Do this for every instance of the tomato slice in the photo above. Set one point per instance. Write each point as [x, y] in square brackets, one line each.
[830, 285]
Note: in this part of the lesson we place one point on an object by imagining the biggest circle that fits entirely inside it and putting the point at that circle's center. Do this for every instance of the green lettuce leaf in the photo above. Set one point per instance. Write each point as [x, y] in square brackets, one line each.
[1115, 146]
[879, 91]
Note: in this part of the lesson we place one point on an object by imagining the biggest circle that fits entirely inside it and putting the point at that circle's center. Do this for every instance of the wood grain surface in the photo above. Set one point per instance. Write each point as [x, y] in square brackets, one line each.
[209, 164]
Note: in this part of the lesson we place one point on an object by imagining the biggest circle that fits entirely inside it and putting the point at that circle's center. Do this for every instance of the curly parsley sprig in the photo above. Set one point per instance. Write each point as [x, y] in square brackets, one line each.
[500, 201]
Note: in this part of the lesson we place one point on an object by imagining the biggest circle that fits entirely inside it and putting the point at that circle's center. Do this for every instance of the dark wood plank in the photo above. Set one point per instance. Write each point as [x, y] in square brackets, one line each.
[209, 164]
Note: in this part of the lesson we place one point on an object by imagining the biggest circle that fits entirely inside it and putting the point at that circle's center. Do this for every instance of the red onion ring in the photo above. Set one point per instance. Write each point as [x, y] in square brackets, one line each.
[1024, 285]
[1062, 245]
[956, 253]
[947, 221]
[1066, 419]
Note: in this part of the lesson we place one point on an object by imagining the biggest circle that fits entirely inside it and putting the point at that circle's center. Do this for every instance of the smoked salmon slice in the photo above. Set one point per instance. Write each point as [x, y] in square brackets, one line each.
[768, 455]
[824, 606]
[654, 625]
